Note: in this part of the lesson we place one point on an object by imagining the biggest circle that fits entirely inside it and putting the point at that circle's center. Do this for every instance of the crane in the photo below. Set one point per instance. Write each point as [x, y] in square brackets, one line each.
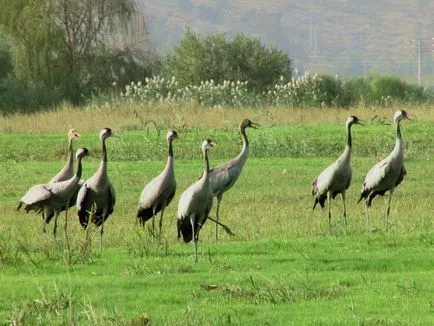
[159, 192]
[336, 178]
[387, 174]
[64, 174]
[195, 203]
[96, 198]
[53, 196]
[224, 176]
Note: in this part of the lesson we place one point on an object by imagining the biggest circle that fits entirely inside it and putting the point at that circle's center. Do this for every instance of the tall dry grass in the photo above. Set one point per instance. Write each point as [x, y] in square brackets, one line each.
[187, 115]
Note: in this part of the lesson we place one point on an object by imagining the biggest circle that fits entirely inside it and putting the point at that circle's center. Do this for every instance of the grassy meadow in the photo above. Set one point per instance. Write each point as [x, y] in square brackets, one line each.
[282, 266]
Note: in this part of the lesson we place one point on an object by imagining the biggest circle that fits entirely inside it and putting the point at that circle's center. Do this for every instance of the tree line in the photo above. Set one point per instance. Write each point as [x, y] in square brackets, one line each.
[68, 50]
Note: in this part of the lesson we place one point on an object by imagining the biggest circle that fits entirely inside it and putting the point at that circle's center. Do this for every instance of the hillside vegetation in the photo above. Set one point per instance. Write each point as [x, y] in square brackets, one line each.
[344, 37]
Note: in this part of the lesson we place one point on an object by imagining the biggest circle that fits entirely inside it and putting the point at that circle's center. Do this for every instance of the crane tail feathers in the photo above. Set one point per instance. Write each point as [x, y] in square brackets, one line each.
[185, 230]
[145, 214]
[321, 200]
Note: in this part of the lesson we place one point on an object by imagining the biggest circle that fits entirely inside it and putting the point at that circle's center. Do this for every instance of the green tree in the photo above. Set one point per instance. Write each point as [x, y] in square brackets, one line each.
[198, 58]
[5, 58]
[79, 46]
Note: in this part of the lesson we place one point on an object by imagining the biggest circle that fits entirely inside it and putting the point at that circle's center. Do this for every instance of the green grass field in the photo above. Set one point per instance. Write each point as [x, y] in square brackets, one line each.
[282, 267]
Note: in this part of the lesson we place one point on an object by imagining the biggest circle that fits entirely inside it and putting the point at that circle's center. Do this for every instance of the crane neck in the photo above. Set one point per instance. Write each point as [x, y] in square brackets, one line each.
[349, 138]
[245, 150]
[245, 140]
[79, 168]
[346, 155]
[399, 143]
[170, 156]
[103, 163]
[206, 165]
[70, 159]
[170, 149]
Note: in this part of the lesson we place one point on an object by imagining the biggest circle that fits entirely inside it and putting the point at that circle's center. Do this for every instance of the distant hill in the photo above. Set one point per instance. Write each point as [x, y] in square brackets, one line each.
[345, 37]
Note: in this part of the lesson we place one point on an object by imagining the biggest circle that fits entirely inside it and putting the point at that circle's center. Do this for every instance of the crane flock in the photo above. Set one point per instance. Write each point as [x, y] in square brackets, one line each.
[95, 197]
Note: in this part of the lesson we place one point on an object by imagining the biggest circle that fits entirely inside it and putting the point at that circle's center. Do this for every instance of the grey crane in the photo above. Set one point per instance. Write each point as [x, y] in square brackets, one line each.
[96, 198]
[68, 170]
[387, 174]
[64, 174]
[195, 203]
[53, 196]
[336, 178]
[224, 176]
[159, 192]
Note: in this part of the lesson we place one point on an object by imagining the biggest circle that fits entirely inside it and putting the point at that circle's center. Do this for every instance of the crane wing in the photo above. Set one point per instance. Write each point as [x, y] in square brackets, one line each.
[402, 174]
[151, 193]
[37, 194]
[324, 181]
[83, 205]
[376, 174]
[111, 199]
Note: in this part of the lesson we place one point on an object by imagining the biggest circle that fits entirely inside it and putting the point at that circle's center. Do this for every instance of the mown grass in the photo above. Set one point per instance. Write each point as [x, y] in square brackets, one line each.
[282, 267]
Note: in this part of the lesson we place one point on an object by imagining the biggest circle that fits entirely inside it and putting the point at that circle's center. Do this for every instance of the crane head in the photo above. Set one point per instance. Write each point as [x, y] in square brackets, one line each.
[81, 152]
[354, 120]
[247, 123]
[172, 135]
[207, 144]
[400, 115]
[105, 133]
[73, 134]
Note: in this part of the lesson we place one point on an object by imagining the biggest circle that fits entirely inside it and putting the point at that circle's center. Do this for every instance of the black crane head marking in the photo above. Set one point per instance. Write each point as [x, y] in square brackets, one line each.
[172, 135]
[356, 120]
[400, 115]
[405, 115]
[105, 133]
[82, 152]
[247, 123]
[207, 144]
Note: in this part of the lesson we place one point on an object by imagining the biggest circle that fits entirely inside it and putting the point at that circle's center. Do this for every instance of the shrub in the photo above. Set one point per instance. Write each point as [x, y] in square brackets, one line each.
[383, 91]
[309, 90]
[196, 59]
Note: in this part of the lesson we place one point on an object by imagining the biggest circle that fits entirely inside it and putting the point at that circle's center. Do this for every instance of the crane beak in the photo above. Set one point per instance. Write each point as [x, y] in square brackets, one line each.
[407, 117]
[360, 122]
[213, 144]
[254, 125]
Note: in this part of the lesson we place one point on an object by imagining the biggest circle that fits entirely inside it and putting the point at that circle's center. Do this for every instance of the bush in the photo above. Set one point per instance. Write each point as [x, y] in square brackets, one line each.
[14, 96]
[197, 59]
[310, 90]
[305, 91]
[383, 91]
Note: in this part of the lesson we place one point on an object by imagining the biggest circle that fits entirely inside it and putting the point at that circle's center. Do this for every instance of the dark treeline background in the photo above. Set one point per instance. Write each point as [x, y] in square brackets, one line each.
[76, 51]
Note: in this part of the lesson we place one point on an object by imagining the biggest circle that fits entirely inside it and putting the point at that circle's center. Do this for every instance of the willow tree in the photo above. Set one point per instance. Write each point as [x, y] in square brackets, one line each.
[78, 45]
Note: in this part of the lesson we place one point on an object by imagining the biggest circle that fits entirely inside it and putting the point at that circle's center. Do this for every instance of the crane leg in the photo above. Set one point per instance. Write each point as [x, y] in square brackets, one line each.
[102, 232]
[44, 223]
[192, 219]
[160, 224]
[56, 215]
[43, 226]
[219, 199]
[345, 208]
[388, 209]
[329, 198]
[368, 224]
